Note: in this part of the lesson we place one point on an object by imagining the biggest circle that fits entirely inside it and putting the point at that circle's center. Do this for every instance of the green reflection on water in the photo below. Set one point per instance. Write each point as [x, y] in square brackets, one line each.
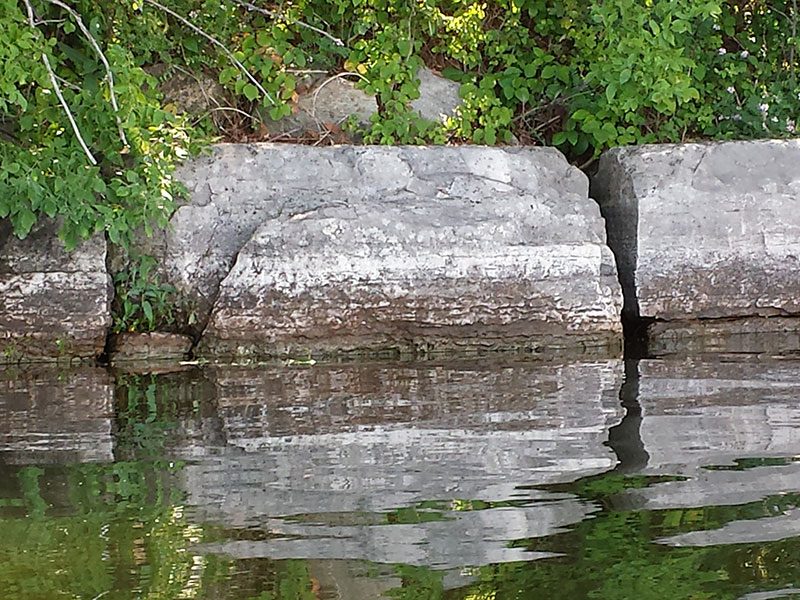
[123, 531]
[118, 531]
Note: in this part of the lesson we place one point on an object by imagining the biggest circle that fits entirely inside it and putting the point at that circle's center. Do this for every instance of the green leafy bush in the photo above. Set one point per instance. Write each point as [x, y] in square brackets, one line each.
[582, 76]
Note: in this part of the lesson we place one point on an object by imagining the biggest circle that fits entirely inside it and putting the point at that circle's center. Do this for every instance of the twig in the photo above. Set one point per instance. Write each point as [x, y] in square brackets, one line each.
[217, 43]
[109, 73]
[547, 123]
[57, 90]
[68, 84]
[322, 138]
[326, 82]
[553, 102]
[274, 15]
[229, 109]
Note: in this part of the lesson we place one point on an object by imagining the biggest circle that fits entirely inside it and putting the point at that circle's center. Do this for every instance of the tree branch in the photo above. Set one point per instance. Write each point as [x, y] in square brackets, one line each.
[109, 73]
[274, 15]
[217, 43]
[57, 90]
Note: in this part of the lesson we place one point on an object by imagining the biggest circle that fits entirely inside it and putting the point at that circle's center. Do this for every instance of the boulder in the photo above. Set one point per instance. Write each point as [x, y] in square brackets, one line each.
[438, 97]
[300, 250]
[325, 104]
[707, 239]
[54, 304]
[192, 93]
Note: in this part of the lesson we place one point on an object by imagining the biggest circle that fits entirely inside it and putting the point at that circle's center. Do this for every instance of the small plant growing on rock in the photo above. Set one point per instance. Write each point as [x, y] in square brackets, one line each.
[142, 302]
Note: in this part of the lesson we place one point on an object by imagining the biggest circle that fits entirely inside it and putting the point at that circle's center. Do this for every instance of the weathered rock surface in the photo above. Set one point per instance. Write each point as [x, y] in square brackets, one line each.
[438, 97]
[301, 249]
[327, 103]
[706, 231]
[193, 93]
[53, 303]
[149, 347]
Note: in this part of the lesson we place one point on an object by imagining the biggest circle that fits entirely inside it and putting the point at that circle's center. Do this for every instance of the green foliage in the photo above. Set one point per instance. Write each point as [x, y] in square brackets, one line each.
[142, 302]
[581, 76]
[43, 169]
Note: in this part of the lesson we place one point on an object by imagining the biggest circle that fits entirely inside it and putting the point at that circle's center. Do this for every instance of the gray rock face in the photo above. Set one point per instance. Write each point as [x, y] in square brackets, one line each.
[53, 303]
[438, 97]
[153, 347]
[329, 102]
[302, 249]
[707, 231]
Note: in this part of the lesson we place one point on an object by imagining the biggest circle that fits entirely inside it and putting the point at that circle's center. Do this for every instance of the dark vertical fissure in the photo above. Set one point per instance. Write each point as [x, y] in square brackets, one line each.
[612, 188]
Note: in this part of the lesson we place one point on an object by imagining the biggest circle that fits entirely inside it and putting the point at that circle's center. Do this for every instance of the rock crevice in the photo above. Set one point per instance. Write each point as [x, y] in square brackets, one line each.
[707, 240]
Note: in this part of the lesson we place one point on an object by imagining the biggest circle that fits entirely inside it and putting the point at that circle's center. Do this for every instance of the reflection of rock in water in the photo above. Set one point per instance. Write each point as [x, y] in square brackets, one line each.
[701, 414]
[750, 531]
[52, 416]
[351, 580]
[712, 413]
[469, 538]
[625, 439]
[373, 438]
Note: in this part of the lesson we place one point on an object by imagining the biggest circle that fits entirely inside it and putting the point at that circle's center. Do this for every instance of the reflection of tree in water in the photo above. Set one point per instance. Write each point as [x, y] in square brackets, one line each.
[121, 530]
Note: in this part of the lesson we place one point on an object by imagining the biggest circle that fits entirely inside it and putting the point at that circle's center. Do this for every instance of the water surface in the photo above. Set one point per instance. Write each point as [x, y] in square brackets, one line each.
[469, 480]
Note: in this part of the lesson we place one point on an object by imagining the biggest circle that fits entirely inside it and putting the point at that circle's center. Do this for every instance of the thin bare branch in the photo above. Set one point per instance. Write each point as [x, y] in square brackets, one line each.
[217, 43]
[68, 84]
[274, 15]
[109, 74]
[326, 82]
[57, 90]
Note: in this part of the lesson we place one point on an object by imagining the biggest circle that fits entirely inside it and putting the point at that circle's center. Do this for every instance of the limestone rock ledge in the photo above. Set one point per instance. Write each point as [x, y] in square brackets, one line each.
[405, 249]
[707, 239]
[53, 303]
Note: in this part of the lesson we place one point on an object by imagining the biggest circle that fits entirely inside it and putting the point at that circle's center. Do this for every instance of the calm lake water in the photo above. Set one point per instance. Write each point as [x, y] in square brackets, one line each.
[470, 480]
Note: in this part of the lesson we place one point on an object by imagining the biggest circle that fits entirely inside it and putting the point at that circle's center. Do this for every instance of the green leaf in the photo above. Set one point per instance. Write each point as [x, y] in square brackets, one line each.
[581, 114]
[559, 138]
[250, 91]
[23, 222]
[611, 91]
[263, 39]
[227, 75]
[147, 309]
